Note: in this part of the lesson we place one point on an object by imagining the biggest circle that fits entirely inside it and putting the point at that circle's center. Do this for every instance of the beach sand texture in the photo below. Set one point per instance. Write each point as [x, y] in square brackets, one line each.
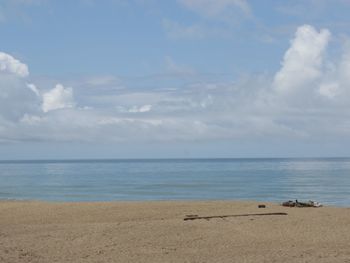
[156, 232]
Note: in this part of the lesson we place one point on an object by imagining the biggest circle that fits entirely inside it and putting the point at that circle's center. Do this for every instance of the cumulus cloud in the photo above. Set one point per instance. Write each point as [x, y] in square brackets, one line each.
[307, 98]
[58, 98]
[308, 74]
[15, 97]
[22, 101]
[302, 63]
[9, 64]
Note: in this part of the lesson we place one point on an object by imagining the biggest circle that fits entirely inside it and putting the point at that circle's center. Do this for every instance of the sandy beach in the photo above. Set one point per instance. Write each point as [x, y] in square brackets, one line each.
[157, 232]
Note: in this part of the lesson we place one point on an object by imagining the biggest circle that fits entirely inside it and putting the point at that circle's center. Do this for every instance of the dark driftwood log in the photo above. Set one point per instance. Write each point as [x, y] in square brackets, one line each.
[224, 216]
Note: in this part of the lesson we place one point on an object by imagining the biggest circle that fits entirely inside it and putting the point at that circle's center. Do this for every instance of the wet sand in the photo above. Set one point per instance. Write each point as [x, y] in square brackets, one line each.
[157, 232]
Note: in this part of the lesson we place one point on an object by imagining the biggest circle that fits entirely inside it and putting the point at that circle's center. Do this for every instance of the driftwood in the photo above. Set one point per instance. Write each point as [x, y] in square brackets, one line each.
[194, 217]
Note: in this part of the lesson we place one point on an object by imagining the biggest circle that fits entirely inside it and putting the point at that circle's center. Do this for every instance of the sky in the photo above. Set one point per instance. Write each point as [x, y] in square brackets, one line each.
[174, 79]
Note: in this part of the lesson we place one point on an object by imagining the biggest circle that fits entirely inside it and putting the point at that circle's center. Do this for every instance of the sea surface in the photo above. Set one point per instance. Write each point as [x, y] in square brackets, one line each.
[323, 180]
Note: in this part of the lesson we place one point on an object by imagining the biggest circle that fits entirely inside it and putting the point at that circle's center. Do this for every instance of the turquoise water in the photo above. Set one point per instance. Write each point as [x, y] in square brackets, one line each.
[323, 180]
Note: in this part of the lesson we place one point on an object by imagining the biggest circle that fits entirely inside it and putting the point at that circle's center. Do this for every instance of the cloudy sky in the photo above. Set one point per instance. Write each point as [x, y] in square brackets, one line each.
[176, 78]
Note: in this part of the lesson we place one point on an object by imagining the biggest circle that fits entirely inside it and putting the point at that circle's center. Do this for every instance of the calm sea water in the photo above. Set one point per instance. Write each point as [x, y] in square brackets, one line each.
[323, 180]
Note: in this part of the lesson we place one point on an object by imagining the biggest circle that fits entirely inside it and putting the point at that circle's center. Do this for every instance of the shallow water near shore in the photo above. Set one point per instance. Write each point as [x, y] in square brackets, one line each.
[324, 180]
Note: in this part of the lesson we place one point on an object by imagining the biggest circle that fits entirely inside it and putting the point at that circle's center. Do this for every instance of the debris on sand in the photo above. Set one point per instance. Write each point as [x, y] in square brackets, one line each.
[194, 217]
[296, 203]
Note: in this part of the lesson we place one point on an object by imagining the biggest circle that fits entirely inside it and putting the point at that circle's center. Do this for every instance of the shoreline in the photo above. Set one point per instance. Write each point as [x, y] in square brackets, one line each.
[155, 231]
[275, 203]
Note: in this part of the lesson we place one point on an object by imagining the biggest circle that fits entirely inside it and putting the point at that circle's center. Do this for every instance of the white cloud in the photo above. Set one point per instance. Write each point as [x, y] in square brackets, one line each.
[302, 63]
[15, 97]
[134, 109]
[329, 90]
[9, 64]
[33, 88]
[58, 98]
[308, 97]
[307, 71]
[144, 108]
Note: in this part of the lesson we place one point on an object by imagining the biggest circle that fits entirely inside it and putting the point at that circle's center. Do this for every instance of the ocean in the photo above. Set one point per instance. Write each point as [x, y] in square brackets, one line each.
[325, 180]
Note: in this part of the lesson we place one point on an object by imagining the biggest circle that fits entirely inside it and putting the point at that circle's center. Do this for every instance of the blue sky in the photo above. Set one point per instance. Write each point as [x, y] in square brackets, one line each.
[182, 78]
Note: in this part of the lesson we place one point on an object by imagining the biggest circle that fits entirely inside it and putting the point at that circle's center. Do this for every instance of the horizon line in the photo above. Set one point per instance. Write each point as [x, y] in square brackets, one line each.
[165, 159]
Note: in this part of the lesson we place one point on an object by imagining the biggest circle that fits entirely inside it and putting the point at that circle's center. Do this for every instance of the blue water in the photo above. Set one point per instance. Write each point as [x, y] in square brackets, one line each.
[323, 180]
